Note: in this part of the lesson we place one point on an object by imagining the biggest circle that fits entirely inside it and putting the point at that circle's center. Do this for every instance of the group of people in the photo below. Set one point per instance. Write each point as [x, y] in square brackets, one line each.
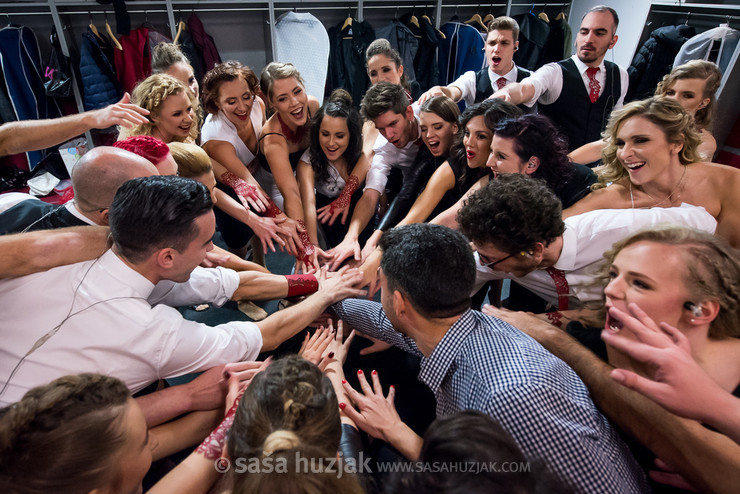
[624, 282]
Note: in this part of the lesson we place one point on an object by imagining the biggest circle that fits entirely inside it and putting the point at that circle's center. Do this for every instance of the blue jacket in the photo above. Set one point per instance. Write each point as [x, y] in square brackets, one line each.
[24, 83]
[100, 85]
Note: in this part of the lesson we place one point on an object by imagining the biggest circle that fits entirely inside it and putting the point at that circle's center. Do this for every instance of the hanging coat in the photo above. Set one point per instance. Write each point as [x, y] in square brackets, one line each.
[100, 86]
[134, 62]
[533, 33]
[204, 42]
[405, 43]
[461, 51]
[425, 61]
[20, 61]
[655, 58]
[347, 58]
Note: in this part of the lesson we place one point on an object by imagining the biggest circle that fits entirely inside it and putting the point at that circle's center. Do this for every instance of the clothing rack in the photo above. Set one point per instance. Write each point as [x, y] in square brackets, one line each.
[728, 18]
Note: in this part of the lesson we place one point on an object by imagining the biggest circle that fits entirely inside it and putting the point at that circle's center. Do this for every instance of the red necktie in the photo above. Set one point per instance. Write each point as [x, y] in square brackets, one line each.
[501, 82]
[593, 84]
[561, 286]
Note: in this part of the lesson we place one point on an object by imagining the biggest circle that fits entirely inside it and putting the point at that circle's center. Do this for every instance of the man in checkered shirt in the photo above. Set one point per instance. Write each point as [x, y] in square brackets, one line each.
[473, 361]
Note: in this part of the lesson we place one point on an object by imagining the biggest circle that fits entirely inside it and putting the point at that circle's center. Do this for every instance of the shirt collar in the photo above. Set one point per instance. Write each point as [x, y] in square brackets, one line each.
[510, 76]
[582, 66]
[122, 273]
[567, 260]
[72, 208]
[435, 367]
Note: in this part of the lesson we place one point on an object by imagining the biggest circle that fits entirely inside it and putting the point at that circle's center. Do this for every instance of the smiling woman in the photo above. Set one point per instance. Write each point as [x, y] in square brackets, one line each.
[652, 160]
[172, 108]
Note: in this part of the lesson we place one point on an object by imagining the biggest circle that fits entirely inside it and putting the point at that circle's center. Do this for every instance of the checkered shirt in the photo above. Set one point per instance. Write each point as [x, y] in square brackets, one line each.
[485, 364]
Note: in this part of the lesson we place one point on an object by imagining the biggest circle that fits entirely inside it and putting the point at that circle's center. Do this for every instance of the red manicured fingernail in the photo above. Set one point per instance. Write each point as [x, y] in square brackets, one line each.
[344, 381]
[342, 406]
[227, 374]
[375, 373]
[331, 354]
[359, 371]
[393, 387]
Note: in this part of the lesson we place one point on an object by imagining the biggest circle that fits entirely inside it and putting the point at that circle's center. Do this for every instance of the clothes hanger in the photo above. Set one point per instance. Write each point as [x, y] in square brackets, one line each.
[562, 15]
[476, 20]
[93, 28]
[146, 23]
[543, 16]
[489, 17]
[429, 20]
[687, 19]
[181, 26]
[347, 21]
[413, 20]
[109, 31]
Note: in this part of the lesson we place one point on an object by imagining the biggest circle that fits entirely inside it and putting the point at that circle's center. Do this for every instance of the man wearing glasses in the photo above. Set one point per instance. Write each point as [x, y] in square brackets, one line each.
[516, 227]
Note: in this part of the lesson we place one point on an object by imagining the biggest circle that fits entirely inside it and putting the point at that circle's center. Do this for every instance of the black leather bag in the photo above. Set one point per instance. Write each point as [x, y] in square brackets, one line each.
[57, 75]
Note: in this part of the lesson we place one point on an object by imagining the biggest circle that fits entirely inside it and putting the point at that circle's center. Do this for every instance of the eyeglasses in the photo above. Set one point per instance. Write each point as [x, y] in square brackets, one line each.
[486, 261]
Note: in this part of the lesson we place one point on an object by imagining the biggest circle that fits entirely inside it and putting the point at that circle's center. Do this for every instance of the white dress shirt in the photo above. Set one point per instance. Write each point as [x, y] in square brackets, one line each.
[587, 236]
[548, 82]
[388, 156]
[98, 316]
[467, 85]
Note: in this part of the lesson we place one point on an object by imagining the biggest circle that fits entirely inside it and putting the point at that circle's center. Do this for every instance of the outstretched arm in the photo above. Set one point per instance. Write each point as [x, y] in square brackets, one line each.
[31, 135]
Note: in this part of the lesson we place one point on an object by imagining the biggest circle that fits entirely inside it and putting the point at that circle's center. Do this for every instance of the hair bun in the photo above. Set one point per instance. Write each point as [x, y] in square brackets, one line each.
[280, 440]
[340, 96]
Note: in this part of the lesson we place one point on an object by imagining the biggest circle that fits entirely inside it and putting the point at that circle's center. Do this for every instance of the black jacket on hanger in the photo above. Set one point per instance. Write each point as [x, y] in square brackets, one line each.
[532, 39]
[655, 58]
[347, 58]
[425, 61]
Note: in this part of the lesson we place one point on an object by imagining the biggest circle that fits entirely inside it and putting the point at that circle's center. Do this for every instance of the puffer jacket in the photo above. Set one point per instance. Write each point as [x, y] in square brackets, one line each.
[655, 59]
[99, 82]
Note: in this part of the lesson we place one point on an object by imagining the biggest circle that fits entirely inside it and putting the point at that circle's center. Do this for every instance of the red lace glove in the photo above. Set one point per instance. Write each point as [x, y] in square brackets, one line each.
[341, 202]
[301, 284]
[272, 209]
[241, 187]
[307, 247]
[213, 445]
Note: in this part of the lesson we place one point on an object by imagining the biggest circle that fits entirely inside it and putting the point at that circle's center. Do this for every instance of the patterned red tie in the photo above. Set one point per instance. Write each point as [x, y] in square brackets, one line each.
[501, 82]
[593, 84]
[561, 286]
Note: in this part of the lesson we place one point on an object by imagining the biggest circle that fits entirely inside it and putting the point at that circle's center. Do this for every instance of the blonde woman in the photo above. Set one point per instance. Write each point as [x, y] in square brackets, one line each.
[652, 160]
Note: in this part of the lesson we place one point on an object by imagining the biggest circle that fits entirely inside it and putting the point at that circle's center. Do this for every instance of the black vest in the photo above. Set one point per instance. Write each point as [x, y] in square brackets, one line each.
[578, 119]
[483, 88]
[33, 214]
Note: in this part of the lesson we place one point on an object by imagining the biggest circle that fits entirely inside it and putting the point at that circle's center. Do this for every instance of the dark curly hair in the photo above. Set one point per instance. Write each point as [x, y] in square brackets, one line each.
[338, 105]
[513, 213]
[226, 72]
[535, 135]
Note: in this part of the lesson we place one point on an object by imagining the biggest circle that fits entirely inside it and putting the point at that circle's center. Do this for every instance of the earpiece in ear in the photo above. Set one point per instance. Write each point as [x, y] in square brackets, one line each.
[531, 165]
[516, 48]
[695, 309]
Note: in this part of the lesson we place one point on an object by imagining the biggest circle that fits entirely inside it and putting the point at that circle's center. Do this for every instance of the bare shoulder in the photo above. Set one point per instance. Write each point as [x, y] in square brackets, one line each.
[615, 196]
[313, 104]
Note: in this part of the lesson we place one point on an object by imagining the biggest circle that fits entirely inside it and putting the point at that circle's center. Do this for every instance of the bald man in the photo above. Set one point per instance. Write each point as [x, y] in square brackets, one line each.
[95, 179]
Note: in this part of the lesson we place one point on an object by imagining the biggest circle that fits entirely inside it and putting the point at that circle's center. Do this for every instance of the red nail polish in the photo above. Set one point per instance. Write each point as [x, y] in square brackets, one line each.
[359, 371]
[375, 373]
[393, 387]
[344, 381]
[331, 355]
[342, 406]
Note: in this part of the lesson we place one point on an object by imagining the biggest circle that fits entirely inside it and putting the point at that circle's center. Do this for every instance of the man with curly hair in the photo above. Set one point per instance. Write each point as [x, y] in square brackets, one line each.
[516, 227]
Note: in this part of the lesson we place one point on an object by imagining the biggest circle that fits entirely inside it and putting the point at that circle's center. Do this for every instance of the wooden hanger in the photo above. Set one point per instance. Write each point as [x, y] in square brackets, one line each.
[414, 21]
[93, 28]
[562, 15]
[441, 34]
[181, 26]
[476, 19]
[543, 16]
[488, 18]
[109, 31]
[347, 23]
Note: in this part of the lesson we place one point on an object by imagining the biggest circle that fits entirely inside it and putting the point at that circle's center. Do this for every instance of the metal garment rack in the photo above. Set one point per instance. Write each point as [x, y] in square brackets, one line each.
[170, 7]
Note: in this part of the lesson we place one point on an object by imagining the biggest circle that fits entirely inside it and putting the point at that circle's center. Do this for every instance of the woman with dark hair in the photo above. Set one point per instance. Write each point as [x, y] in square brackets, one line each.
[531, 145]
[332, 170]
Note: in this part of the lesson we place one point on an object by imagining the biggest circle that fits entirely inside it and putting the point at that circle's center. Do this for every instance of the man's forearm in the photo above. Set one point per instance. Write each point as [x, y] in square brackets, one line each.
[709, 461]
[27, 253]
[286, 323]
[31, 135]
[363, 212]
[165, 404]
